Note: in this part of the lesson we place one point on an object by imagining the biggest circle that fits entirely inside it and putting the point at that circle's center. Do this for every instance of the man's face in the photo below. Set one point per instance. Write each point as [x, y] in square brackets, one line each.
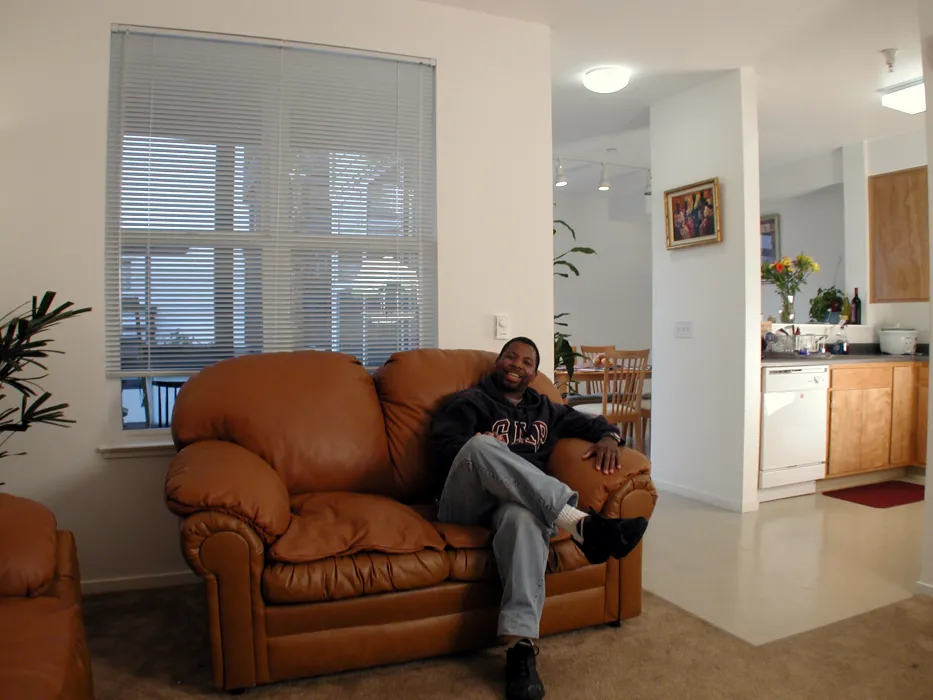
[515, 369]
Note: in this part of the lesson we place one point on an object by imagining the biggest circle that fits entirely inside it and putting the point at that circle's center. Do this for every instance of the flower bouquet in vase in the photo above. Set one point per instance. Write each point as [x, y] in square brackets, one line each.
[788, 275]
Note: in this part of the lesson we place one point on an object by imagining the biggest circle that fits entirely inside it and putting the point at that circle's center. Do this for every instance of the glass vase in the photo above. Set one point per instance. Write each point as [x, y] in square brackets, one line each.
[787, 308]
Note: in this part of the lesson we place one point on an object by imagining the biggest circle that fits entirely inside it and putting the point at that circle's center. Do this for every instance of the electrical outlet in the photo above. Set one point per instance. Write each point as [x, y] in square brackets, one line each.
[502, 327]
[683, 329]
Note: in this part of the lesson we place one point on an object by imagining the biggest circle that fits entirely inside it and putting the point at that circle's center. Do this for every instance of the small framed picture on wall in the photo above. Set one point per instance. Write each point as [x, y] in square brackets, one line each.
[770, 238]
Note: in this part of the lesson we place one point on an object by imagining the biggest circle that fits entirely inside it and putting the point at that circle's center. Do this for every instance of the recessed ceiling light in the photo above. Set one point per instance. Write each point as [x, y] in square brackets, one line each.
[605, 79]
[911, 99]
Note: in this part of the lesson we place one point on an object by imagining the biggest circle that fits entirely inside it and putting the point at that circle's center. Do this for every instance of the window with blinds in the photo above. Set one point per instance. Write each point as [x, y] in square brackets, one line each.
[262, 197]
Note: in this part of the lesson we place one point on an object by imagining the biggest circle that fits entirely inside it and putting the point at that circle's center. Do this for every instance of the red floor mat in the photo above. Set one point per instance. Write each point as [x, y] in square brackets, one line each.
[887, 494]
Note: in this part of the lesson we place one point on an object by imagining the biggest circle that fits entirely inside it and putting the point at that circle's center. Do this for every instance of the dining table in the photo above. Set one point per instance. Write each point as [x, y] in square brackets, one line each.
[580, 374]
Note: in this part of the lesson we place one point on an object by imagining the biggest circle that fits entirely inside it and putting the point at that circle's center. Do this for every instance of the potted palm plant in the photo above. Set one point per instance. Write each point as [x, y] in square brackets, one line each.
[22, 352]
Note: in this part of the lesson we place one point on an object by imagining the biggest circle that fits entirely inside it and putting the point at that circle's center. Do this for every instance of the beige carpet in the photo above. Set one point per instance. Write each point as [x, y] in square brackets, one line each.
[151, 645]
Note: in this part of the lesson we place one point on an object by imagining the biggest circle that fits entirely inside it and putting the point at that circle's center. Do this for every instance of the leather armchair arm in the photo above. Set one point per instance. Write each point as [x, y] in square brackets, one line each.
[225, 478]
[597, 490]
[28, 546]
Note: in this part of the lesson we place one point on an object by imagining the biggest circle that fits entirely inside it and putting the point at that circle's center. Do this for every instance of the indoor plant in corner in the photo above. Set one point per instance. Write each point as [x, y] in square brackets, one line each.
[21, 367]
[563, 352]
[788, 275]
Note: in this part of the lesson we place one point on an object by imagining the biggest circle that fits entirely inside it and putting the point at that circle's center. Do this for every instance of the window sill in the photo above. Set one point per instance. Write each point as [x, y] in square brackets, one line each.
[157, 447]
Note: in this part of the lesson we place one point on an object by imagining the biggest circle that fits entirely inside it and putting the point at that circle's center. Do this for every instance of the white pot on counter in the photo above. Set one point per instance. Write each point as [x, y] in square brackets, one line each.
[898, 341]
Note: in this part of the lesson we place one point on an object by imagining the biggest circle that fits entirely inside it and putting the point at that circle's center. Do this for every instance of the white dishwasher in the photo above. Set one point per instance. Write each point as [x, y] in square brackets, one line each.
[794, 404]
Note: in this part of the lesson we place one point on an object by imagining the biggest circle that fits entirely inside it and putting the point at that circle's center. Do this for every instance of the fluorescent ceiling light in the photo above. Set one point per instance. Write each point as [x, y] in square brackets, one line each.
[911, 99]
[606, 79]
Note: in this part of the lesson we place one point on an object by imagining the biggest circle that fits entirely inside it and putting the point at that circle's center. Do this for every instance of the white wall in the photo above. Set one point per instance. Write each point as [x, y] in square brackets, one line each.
[706, 390]
[925, 584]
[610, 302]
[493, 222]
[802, 176]
[813, 224]
[897, 152]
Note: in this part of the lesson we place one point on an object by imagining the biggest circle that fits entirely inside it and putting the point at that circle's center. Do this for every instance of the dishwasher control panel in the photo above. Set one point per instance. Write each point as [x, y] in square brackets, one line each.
[795, 378]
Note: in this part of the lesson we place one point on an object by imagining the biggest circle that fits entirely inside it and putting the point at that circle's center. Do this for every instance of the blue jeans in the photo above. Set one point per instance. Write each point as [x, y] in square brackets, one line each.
[489, 484]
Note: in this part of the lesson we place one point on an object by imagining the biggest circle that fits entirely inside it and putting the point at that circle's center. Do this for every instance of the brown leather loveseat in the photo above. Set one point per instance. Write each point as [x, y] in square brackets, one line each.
[304, 482]
[43, 647]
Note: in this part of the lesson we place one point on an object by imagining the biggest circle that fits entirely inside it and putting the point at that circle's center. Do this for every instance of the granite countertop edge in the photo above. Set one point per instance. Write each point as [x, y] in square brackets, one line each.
[842, 359]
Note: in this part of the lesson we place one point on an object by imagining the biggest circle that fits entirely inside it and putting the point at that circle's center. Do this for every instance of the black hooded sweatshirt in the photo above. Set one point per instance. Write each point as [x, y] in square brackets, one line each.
[532, 427]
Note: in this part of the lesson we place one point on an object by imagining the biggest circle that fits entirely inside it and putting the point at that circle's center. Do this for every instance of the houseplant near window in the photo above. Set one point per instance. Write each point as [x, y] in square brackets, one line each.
[21, 367]
[788, 275]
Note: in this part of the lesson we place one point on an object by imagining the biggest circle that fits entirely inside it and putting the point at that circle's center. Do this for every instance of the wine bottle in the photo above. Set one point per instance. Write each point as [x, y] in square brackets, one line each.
[856, 309]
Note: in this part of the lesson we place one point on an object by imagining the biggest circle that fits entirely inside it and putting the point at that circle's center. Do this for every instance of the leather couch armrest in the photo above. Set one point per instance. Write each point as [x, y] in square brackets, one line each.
[28, 546]
[223, 477]
[598, 490]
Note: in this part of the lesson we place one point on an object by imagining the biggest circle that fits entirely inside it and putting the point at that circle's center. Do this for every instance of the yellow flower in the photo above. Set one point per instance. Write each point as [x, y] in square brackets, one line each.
[816, 267]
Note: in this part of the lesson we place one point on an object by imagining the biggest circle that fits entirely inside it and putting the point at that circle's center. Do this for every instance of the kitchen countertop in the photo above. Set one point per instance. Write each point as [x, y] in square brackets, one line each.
[780, 359]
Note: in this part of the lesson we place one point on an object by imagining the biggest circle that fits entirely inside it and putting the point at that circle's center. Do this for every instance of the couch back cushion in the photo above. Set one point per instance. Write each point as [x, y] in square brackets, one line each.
[411, 387]
[313, 416]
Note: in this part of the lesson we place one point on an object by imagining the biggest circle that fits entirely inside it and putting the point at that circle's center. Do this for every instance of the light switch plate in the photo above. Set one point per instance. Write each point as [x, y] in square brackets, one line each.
[502, 327]
[683, 329]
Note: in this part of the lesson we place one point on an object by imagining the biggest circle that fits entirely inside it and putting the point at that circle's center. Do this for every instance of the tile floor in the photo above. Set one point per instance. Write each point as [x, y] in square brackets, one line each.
[795, 565]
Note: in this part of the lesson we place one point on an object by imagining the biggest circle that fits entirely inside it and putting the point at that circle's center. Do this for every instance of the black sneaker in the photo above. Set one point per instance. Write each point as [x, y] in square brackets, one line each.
[522, 681]
[610, 537]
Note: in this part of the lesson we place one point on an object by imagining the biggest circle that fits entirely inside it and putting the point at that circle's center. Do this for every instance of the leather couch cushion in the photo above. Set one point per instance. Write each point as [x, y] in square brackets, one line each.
[42, 650]
[314, 416]
[338, 578]
[411, 386]
[28, 545]
[339, 524]
[476, 536]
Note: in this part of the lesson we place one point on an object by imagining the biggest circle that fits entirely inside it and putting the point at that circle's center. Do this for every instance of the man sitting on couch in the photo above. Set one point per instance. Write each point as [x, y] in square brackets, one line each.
[495, 439]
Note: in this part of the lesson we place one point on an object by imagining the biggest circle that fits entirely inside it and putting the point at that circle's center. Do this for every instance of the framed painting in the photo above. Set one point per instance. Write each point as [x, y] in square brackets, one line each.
[770, 238]
[692, 214]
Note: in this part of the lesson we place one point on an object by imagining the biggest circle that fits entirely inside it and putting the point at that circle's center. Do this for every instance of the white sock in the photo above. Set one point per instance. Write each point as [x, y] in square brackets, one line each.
[569, 520]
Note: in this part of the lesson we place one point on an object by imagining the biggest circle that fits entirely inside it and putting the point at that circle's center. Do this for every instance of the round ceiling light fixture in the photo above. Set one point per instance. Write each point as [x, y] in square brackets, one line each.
[606, 79]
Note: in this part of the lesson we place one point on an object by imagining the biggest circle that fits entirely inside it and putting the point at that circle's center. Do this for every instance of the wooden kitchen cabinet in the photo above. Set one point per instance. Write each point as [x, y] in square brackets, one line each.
[861, 401]
[899, 236]
[877, 417]
[920, 450]
[904, 416]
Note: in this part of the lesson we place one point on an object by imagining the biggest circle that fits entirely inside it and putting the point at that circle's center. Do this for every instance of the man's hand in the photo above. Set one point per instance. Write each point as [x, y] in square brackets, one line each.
[606, 452]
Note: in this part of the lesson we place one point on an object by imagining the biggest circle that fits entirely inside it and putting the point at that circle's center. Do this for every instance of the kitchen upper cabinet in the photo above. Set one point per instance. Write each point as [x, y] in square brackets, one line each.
[904, 416]
[899, 236]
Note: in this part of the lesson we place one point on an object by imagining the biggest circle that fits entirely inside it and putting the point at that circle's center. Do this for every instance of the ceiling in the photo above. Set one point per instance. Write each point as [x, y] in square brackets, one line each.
[818, 63]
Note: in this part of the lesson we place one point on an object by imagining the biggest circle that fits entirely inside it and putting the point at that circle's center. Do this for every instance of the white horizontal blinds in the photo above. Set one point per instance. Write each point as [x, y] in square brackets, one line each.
[266, 198]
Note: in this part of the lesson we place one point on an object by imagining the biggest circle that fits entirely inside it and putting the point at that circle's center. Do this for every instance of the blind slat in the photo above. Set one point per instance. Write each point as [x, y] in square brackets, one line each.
[266, 198]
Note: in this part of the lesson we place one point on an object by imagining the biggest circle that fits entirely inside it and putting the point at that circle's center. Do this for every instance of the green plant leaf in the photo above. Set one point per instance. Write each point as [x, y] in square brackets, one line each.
[565, 225]
[569, 265]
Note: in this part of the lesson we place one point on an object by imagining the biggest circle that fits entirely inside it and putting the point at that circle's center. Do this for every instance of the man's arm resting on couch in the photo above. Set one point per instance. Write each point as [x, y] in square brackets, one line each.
[224, 477]
[595, 488]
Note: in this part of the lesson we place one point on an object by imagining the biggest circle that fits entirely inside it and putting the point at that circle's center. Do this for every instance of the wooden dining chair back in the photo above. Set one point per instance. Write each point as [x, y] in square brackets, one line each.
[624, 381]
[594, 384]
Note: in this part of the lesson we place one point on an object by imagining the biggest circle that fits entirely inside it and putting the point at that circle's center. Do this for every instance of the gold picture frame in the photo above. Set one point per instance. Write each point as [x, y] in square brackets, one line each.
[686, 219]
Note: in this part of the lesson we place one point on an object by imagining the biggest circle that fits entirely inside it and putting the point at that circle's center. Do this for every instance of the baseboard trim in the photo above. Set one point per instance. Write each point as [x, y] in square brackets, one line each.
[844, 482]
[135, 583]
[702, 496]
[924, 588]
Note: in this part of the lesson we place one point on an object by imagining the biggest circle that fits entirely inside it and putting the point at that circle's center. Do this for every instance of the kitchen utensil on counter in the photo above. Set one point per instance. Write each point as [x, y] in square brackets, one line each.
[898, 341]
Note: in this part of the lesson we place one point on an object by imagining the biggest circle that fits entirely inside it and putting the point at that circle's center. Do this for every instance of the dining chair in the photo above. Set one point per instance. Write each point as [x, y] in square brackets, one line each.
[593, 386]
[623, 387]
